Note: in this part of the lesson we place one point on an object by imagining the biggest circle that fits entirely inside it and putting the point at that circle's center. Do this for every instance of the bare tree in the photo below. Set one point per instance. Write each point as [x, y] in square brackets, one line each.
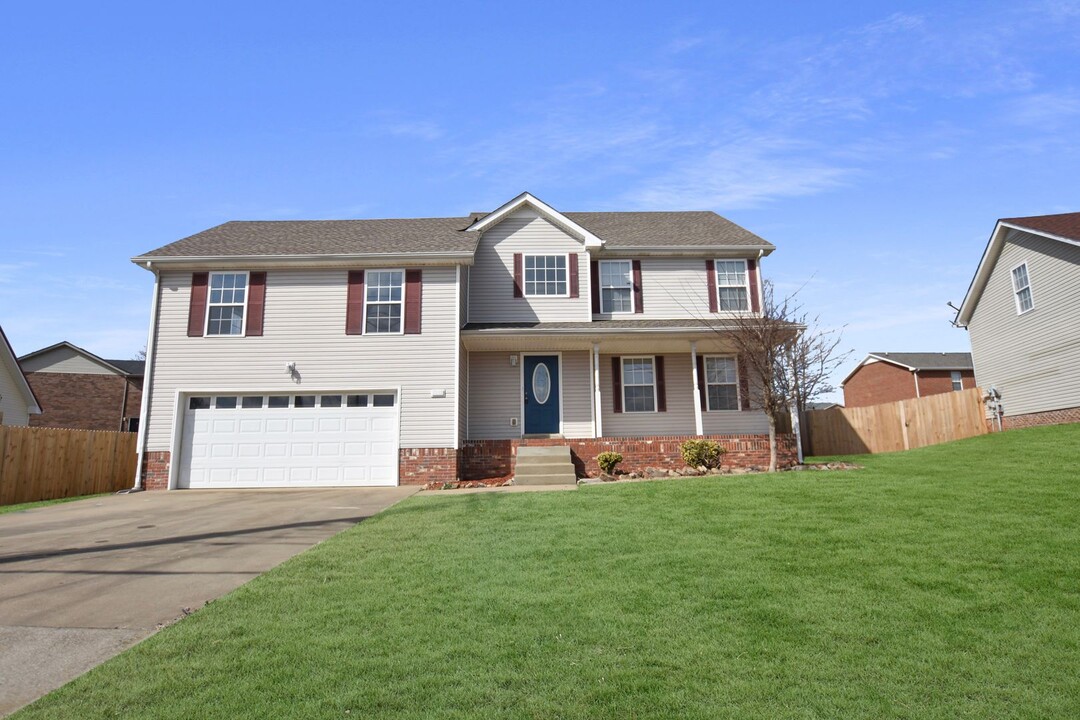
[787, 356]
[141, 355]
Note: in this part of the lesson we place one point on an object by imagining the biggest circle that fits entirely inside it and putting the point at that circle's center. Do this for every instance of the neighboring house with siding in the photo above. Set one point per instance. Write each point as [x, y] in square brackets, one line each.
[884, 377]
[1022, 314]
[82, 391]
[17, 400]
[377, 352]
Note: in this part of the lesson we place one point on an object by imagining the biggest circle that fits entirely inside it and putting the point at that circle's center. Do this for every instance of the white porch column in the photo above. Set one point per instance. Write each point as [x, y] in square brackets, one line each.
[598, 409]
[699, 425]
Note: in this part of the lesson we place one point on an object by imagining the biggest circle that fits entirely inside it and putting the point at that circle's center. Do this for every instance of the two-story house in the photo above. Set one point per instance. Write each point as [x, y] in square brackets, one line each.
[378, 352]
[1022, 314]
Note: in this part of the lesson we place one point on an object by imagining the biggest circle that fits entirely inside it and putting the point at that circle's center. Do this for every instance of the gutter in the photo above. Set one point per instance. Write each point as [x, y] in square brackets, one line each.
[148, 380]
[462, 257]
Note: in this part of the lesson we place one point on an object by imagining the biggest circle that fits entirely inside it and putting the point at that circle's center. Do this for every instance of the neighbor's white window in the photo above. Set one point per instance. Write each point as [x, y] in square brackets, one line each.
[1022, 289]
[227, 303]
[384, 300]
[732, 285]
[722, 383]
[638, 384]
[957, 380]
[545, 275]
[616, 286]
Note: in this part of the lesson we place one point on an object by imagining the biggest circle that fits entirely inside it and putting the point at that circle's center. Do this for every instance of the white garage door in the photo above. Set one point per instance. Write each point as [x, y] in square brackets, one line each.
[324, 440]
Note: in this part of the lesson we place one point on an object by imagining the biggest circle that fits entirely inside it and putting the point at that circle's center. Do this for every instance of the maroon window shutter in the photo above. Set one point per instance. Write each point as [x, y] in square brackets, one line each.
[354, 304]
[638, 306]
[196, 321]
[752, 271]
[594, 277]
[256, 304]
[710, 275]
[744, 385]
[575, 291]
[703, 388]
[661, 385]
[414, 284]
[616, 385]
[517, 276]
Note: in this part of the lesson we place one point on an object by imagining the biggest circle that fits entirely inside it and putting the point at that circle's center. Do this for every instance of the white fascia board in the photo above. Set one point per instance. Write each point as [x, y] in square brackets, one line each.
[704, 251]
[15, 370]
[248, 262]
[551, 214]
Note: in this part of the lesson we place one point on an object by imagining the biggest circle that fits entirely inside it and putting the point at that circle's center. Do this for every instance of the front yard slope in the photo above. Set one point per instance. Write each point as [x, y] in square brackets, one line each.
[938, 583]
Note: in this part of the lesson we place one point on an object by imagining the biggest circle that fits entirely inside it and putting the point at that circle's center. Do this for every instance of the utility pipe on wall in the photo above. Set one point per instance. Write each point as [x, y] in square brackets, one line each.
[148, 380]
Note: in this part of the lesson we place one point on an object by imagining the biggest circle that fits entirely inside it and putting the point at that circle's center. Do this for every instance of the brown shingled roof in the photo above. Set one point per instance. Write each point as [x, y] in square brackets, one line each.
[1066, 225]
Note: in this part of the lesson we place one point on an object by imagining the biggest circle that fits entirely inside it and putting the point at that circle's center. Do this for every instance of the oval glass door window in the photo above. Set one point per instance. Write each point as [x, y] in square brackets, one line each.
[541, 383]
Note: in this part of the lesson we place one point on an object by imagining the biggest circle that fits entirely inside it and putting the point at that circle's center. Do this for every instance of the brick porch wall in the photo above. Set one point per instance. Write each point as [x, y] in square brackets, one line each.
[156, 470]
[482, 459]
[1050, 417]
[418, 466]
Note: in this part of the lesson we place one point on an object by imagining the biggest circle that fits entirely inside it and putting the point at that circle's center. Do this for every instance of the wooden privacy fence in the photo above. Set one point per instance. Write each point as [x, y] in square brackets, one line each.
[49, 463]
[896, 426]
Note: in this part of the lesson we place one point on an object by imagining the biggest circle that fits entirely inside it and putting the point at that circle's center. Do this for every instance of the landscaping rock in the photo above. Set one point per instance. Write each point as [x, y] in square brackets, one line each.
[691, 471]
[653, 472]
[604, 477]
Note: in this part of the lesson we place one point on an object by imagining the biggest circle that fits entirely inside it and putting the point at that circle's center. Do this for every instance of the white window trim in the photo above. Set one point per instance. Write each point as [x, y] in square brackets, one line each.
[955, 377]
[746, 285]
[706, 383]
[1016, 290]
[404, 288]
[623, 385]
[525, 285]
[600, 280]
[247, 294]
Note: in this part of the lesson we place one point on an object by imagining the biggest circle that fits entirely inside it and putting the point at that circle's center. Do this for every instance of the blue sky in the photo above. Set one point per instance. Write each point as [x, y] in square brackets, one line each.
[875, 144]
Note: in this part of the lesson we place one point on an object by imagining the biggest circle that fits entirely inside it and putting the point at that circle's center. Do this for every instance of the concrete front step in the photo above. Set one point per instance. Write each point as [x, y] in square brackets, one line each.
[544, 465]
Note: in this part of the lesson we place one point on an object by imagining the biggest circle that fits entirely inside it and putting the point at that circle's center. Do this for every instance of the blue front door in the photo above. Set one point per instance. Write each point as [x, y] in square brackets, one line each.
[541, 388]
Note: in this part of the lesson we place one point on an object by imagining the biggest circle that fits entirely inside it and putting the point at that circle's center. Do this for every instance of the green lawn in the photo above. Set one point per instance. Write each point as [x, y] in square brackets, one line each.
[939, 583]
[42, 503]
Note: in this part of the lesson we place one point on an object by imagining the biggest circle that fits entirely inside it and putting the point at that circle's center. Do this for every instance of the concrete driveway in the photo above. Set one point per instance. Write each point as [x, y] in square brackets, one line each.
[82, 581]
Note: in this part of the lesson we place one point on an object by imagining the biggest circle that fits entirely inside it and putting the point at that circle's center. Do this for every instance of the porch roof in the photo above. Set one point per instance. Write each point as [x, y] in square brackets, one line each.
[692, 325]
[613, 336]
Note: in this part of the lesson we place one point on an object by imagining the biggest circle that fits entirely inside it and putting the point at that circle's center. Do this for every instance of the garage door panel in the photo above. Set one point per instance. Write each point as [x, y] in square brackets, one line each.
[289, 447]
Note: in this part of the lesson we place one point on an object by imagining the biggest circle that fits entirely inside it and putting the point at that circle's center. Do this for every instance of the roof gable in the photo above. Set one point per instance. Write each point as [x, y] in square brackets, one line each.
[916, 361]
[118, 367]
[545, 211]
[11, 364]
[1063, 227]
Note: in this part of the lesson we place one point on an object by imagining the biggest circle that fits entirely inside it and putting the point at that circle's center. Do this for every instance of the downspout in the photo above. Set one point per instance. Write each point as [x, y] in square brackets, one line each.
[915, 372]
[123, 403]
[148, 381]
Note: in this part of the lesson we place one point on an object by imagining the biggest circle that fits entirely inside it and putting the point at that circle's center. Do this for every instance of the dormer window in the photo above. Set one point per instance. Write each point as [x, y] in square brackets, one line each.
[545, 275]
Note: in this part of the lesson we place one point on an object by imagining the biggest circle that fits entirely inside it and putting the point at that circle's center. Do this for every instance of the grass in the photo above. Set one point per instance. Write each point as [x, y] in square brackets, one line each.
[939, 583]
[42, 503]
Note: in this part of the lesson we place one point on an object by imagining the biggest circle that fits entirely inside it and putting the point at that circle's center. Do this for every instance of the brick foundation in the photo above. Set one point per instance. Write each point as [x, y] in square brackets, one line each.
[419, 466]
[156, 470]
[1051, 417]
[481, 459]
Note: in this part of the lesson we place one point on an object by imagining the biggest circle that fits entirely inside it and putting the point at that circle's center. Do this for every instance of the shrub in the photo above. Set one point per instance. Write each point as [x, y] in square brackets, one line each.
[702, 453]
[608, 460]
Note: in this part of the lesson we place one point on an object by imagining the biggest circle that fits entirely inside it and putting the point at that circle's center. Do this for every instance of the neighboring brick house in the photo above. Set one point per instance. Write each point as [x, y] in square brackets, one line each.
[415, 350]
[1022, 314]
[82, 391]
[17, 401]
[890, 376]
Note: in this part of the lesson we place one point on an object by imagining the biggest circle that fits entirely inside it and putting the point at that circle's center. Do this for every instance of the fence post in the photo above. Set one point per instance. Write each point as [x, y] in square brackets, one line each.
[903, 425]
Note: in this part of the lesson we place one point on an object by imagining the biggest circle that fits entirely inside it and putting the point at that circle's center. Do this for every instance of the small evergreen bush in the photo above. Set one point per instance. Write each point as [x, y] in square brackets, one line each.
[608, 460]
[702, 453]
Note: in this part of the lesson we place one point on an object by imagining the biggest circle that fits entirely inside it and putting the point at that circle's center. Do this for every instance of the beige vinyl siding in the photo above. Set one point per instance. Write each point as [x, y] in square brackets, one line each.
[671, 289]
[1032, 359]
[734, 422]
[497, 398]
[305, 324]
[64, 360]
[491, 297]
[12, 401]
[463, 297]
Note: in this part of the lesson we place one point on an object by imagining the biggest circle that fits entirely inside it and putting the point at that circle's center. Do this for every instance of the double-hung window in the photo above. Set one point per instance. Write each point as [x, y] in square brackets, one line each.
[545, 275]
[638, 384]
[384, 301]
[616, 286]
[227, 303]
[732, 285]
[957, 380]
[722, 383]
[1022, 289]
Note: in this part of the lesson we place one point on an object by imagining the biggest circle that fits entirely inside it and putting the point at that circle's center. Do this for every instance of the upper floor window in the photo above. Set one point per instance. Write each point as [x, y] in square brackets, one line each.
[732, 285]
[721, 383]
[616, 286]
[226, 304]
[957, 380]
[638, 384]
[545, 275]
[385, 300]
[1022, 289]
